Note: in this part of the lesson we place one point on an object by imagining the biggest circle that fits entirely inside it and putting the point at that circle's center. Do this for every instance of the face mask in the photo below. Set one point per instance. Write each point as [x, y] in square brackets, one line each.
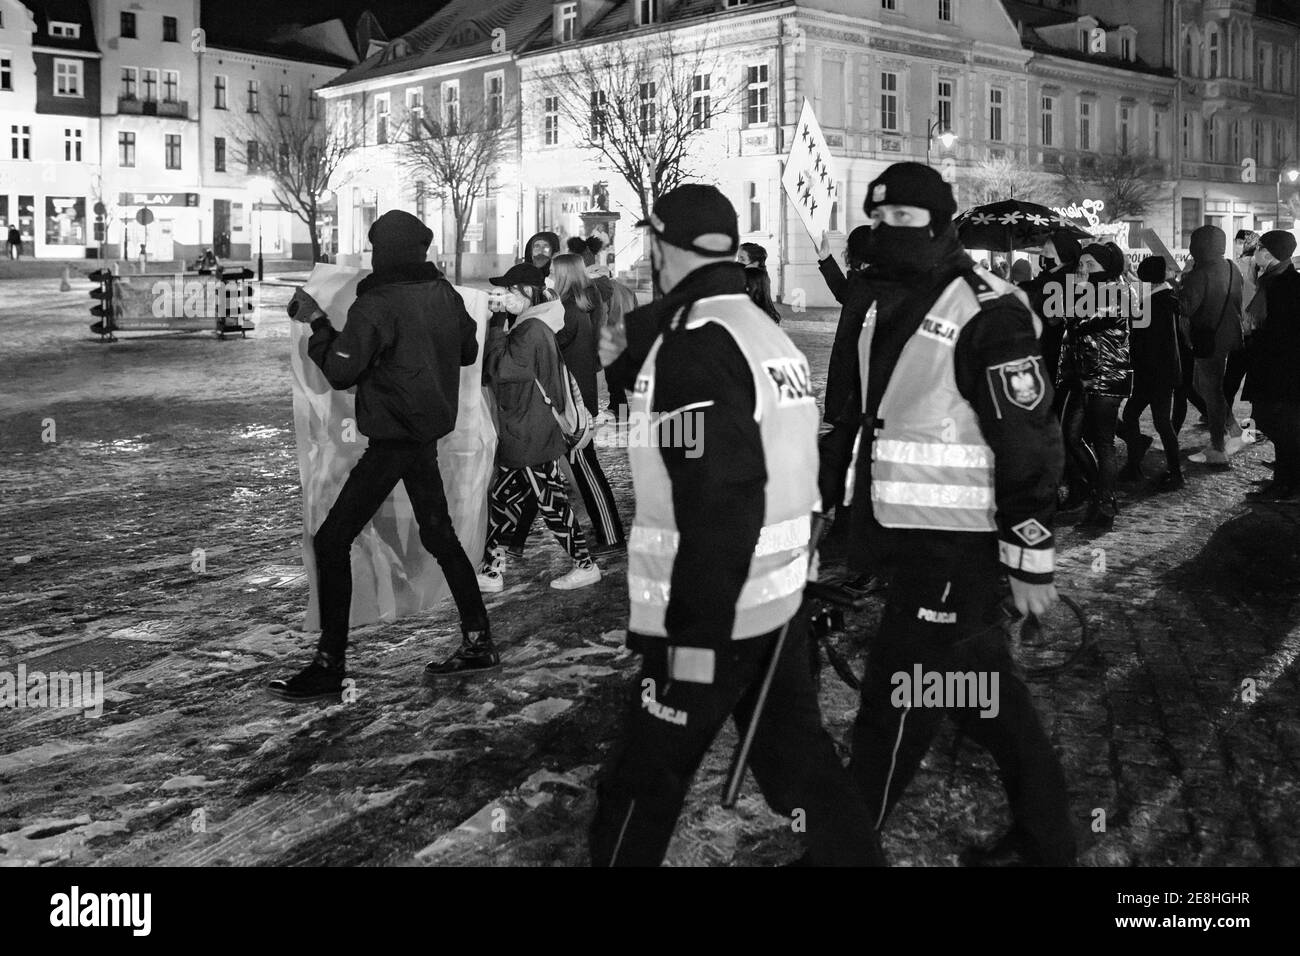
[655, 284]
[904, 250]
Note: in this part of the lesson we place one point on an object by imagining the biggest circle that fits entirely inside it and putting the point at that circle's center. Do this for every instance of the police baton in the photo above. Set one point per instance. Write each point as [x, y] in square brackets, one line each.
[740, 759]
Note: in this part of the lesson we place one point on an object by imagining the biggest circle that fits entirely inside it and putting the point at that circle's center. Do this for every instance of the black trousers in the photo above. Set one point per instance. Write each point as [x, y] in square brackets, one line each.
[645, 783]
[928, 585]
[1234, 374]
[1088, 422]
[596, 495]
[1160, 399]
[373, 478]
[1280, 421]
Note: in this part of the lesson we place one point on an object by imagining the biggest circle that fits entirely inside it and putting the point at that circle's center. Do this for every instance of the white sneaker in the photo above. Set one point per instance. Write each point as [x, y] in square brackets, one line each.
[1233, 444]
[579, 577]
[1208, 456]
[490, 581]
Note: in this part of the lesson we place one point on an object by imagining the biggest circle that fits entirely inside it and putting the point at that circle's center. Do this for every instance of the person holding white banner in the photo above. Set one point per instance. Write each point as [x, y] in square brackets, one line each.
[406, 337]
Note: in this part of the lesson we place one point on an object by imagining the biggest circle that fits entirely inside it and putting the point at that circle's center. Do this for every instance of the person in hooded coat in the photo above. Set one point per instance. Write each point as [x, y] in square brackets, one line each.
[1210, 303]
[406, 338]
[1157, 374]
[758, 284]
[540, 249]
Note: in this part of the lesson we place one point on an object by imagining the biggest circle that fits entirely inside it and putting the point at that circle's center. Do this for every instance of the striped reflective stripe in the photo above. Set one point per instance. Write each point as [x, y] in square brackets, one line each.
[935, 454]
[1033, 560]
[784, 581]
[773, 539]
[924, 495]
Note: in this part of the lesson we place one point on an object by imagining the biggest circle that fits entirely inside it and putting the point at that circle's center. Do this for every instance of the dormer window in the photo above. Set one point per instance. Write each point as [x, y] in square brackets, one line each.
[396, 50]
[67, 31]
[568, 22]
[647, 11]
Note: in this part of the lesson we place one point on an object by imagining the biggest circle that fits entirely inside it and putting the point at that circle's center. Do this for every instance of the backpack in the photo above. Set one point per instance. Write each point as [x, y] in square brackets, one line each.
[576, 424]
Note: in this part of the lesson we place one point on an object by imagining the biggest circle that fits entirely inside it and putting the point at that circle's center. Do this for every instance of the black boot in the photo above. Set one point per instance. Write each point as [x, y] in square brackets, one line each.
[1169, 481]
[319, 680]
[476, 653]
[1132, 470]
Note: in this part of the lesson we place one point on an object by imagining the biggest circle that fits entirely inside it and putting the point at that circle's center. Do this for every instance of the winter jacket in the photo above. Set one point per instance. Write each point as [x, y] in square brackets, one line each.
[578, 341]
[1273, 371]
[1098, 356]
[406, 337]
[842, 402]
[1210, 295]
[1154, 348]
[515, 362]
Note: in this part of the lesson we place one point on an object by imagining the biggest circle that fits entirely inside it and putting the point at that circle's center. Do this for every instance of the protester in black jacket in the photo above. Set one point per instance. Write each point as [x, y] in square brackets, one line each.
[406, 337]
[1096, 350]
[758, 285]
[1157, 374]
[1273, 379]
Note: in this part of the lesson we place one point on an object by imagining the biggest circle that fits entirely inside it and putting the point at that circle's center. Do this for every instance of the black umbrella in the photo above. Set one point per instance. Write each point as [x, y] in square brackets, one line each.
[1011, 225]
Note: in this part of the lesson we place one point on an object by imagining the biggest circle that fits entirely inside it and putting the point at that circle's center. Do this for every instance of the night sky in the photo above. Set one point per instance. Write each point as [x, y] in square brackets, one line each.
[239, 17]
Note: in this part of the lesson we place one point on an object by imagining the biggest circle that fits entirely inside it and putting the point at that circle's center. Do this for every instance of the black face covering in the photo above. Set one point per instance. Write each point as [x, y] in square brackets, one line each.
[902, 251]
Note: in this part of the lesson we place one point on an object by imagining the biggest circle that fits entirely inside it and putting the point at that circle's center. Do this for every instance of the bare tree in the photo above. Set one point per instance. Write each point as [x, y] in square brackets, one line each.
[997, 179]
[1129, 184]
[641, 106]
[455, 159]
[299, 153]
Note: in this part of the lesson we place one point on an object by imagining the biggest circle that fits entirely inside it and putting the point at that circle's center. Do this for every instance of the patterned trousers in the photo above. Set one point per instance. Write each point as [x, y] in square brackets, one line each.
[541, 485]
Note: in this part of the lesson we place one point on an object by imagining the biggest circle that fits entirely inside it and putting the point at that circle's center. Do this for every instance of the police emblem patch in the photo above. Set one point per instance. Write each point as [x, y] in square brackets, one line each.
[642, 384]
[1031, 532]
[1022, 381]
[878, 194]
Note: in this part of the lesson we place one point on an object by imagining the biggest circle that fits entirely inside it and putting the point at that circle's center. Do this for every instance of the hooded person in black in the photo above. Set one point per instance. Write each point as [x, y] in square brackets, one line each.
[1157, 375]
[540, 249]
[973, 446]
[406, 338]
[1273, 381]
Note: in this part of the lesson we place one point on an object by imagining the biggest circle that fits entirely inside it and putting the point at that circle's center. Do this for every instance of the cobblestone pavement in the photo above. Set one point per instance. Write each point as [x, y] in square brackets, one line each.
[1182, 729]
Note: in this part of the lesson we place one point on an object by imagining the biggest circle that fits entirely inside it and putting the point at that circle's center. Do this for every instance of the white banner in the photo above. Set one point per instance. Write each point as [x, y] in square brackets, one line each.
[811, 173]
[392, 575]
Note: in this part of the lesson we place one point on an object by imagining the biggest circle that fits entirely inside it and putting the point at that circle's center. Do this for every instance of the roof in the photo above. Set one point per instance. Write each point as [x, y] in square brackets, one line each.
[1030, 16]
[620, 18]
[461, 30]
[66, 11]
[325, 43]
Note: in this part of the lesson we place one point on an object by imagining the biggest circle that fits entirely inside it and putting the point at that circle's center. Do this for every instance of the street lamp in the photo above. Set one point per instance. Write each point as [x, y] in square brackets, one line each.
[260, 186]
[947, 138]
[1291, 176]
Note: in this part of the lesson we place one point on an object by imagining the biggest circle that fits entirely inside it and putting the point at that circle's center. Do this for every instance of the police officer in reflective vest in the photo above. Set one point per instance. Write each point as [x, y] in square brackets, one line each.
[718, 555]
[956, 471]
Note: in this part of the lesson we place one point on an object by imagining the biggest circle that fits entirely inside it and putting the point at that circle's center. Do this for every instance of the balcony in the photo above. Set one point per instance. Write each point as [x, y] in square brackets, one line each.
[137, 107]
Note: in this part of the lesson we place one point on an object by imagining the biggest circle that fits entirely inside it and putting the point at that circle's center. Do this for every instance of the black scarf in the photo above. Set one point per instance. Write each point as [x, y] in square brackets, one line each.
[410, 272]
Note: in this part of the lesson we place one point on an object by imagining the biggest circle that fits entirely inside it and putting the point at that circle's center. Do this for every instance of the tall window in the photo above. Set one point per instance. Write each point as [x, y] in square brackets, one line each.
[568, 22]
[219, 154]
[1214, 52]
[945, 11]
[71, 145]
[753, 207]
[1187, 134]
[996, 97]
[381, 119]
[494, 95]
[889, 101]
[219, 92]
[1187, 54]
[171, 85]
[421, 202]
[172, 147]
[1157, 134]
[343, 122]
[598, 118]
[129, 74]
[756, 95]
[1234, 142]
[551, 121]
[646, 107]
[283, 99]
[1049, 120]
[127, 25]
[701, 101]
[1261, 66]
[944, 96]
[1211, 142]
[1125, 115]
[6, 73]
[313, 106]
[415, 111]
[888, 4]
[253, 153]
[647, 11]
[151, 85]
[253, 94]
[1283, 71]
[126, 149]
[20, 142]
[169, 30]
[67, 77]
[1085, 125]
[451, 106]
[1126, 48]
[1280, 152]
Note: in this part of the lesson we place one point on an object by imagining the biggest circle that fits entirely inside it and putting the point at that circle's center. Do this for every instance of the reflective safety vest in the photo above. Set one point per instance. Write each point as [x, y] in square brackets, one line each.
[930, 466]
[786, 413]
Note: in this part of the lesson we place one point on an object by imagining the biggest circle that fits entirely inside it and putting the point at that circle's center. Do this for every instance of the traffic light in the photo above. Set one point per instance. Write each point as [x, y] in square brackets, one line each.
[104, 311]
